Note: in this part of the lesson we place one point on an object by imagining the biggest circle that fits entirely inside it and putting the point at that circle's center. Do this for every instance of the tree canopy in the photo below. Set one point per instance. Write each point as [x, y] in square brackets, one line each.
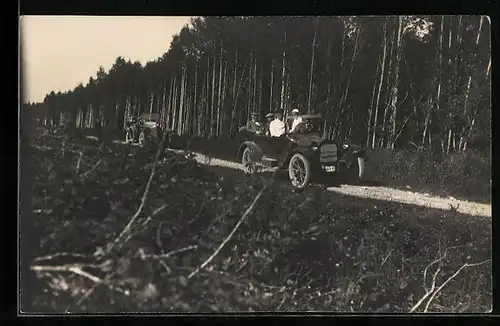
[384, 81]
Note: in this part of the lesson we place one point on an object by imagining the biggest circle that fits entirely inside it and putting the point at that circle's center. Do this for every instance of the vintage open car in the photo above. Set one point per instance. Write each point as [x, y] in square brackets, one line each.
[305, 153]
[145, 128]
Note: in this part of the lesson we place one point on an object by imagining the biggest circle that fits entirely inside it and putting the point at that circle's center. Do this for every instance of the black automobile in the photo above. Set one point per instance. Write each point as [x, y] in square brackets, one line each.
[305, 154]
[146, 129]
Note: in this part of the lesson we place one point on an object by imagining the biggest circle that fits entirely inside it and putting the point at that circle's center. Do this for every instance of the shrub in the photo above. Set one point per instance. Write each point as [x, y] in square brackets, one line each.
[465, 175]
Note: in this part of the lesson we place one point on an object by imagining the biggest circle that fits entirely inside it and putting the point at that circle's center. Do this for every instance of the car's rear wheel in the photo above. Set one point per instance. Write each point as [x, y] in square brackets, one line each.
[128, 136]
[299, 170]
[248, 160]
[142, 138]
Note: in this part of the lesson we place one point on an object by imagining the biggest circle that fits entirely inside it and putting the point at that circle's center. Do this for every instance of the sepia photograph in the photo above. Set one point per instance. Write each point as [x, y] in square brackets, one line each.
[230, 164]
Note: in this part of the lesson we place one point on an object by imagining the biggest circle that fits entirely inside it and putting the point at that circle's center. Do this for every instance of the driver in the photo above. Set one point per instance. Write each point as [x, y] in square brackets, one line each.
[297, 120]
[133, 127]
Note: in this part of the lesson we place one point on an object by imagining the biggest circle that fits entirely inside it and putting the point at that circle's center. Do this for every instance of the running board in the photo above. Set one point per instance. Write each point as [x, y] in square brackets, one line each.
[269, 161]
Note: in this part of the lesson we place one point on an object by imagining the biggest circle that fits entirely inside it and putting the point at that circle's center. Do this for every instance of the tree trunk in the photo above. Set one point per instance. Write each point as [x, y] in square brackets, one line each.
[212, 102]
[440, 71]
[395, 88]
[372, 104]
[225, 112]
[282, 94]
[219, 93]
[271, 87]
[383, 135]
[311, 72]
[382, 71]
[196, 122]
[233, 109]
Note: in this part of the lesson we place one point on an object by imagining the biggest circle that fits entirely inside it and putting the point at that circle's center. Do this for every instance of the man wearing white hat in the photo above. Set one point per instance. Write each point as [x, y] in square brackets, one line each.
[297, 120]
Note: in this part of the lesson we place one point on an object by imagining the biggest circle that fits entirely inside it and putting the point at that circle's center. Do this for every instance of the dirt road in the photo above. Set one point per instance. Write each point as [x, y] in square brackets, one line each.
[383, 193]
[380, 193]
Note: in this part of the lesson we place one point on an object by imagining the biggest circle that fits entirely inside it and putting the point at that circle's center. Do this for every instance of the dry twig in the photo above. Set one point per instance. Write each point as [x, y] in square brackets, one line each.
[451, 278]
[127, 228]
[226, 240]
[92, 169]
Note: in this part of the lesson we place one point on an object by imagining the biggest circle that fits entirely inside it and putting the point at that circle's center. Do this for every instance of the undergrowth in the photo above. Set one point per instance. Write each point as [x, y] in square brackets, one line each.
[296, 251]
[463, 175]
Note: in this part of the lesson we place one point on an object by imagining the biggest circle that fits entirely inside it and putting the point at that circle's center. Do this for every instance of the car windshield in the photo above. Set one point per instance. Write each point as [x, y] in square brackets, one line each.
[149, 117]
[309, 125]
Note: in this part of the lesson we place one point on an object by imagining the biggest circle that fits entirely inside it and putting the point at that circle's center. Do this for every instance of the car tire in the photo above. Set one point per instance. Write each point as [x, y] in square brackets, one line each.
[299, 170]
[128, 137]
[247, 159]
[142, 138]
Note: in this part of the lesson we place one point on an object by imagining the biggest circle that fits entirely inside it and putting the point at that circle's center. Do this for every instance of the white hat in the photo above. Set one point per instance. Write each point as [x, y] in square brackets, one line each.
[295, 111]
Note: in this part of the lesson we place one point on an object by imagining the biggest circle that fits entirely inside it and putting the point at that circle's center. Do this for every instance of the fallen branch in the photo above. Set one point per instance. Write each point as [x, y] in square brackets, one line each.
[59, 254]
[432, 292]
[387, 257]
[170, 253]
[145, 223]
[433, 286]
[226, 240]
[451, 278]
[92, 169]
[127, 228]
[72, 268]
[91, 290]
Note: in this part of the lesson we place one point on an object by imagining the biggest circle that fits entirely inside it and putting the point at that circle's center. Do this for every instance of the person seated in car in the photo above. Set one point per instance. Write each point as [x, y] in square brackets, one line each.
[253, 125]
[133, 126]
[269, 119]
[277, 126]
[297, 120]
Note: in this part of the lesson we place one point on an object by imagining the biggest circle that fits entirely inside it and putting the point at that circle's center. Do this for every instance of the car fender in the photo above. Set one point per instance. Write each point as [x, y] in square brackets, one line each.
[306, 151]
[351, 155]
[246, 144]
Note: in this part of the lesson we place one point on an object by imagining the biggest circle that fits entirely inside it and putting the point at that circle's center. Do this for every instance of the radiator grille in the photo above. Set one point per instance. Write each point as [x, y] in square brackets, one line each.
[328, 153]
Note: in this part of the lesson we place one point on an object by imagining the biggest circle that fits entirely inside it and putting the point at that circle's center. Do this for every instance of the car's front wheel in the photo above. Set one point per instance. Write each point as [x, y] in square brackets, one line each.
[299, 170]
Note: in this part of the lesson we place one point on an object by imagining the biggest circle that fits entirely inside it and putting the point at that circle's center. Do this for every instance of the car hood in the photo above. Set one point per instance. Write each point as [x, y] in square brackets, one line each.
[306, 139]
[149, 124]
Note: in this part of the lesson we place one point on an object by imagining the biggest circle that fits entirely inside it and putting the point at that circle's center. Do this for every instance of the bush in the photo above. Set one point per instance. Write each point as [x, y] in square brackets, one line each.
[464, 175]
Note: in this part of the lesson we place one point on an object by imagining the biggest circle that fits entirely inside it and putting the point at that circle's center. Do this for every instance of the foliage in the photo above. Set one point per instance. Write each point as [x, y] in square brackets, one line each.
[464, 175]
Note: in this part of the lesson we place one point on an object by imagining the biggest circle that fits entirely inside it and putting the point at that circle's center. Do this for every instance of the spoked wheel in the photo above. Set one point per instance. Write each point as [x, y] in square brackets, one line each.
[142, 138]
[248, 160]
[128, 136]
[299, 171]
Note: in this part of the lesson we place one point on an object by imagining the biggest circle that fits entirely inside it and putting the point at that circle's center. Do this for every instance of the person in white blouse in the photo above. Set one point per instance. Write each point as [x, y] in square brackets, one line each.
[277, 126]
[297, 120]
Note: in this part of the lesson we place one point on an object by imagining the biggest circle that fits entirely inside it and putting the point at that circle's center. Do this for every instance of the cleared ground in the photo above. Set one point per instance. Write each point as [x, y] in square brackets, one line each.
[103, 243]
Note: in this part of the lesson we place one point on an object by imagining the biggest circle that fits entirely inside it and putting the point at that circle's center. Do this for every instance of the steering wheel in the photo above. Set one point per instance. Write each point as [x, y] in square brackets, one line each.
[305, 127]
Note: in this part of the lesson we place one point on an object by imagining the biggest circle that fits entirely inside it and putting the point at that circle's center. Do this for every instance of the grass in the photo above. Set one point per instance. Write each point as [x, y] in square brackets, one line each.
[297, 251]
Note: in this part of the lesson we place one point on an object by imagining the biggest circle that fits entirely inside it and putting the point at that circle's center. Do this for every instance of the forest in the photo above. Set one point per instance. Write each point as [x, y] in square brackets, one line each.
[394, 82]
[135, 229]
